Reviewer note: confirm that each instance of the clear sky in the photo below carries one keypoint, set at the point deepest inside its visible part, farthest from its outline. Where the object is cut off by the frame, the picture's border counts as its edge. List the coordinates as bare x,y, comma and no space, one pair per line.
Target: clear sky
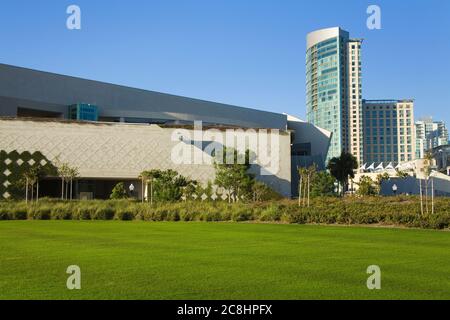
247,53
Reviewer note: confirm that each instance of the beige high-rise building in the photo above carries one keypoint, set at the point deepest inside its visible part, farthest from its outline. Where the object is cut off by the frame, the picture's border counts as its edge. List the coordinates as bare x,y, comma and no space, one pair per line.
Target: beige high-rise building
354,116
389,131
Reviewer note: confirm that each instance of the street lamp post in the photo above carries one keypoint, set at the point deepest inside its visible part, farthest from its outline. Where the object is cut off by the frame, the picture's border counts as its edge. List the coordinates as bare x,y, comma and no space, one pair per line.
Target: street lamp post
394,189
131,188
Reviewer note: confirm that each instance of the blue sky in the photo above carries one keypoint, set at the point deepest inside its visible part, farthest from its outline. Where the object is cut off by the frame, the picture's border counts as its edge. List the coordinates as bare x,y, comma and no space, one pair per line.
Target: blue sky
247,53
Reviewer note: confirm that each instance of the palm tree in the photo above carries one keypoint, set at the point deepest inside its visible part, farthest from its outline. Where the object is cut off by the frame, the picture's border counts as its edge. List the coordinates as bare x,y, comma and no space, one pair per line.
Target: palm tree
342,168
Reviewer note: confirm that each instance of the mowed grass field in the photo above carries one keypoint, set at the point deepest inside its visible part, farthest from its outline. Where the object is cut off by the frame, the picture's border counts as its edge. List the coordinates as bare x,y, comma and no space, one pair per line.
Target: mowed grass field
168,260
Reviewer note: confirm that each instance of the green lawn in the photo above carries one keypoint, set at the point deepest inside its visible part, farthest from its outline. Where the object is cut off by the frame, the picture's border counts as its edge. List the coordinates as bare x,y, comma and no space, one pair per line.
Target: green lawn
143,260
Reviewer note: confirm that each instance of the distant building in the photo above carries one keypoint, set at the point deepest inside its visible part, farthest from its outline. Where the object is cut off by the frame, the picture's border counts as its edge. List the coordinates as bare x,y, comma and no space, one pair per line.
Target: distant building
334,88
388,131
441,155
429,134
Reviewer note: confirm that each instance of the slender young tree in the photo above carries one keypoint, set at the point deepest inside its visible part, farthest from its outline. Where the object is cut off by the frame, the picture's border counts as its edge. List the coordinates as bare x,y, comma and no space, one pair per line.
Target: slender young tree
67,175
306,176
421,197
312,171
72,174
427,169
432,196
301,175
32,177
26,189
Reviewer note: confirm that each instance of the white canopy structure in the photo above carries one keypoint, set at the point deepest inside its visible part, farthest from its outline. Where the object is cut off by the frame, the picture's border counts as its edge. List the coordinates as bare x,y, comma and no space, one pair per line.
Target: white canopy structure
390,166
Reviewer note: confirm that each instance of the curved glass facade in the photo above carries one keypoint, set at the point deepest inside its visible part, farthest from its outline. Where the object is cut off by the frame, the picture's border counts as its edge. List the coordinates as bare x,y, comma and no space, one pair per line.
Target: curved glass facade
333,89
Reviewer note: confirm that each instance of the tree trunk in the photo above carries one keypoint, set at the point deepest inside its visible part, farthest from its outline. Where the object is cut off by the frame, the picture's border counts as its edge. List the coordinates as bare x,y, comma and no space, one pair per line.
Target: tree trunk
305,184
151,193
32,192
426,195
300,192
309,178
421,197
432,196
37,191
26,191
71,189
62,188
142,189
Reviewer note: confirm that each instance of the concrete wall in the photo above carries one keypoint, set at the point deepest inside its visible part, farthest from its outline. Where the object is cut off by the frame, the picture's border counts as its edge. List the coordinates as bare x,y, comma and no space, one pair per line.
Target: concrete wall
58,91
318,138
106,150
305,132
411,185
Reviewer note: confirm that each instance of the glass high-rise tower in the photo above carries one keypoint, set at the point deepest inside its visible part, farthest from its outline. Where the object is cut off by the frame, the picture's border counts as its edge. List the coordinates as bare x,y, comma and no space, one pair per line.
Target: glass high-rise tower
333,89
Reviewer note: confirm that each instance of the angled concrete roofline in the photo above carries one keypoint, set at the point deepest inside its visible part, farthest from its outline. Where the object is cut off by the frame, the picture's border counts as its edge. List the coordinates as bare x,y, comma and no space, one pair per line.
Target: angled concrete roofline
296,119
36,88
320,35
128,124
132,88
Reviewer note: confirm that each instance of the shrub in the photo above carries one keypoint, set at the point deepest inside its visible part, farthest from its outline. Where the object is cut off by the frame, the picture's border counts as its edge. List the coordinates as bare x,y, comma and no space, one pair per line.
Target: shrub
4,214
119,192
187,213
85,213
104,213
39,213
403,211
61,212
19,214
296,217
271,213
160,213
440,221
124,215
212,213
241,214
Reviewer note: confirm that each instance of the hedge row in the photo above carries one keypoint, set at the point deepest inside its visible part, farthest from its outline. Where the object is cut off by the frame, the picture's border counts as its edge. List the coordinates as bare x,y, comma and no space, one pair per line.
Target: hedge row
401,211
